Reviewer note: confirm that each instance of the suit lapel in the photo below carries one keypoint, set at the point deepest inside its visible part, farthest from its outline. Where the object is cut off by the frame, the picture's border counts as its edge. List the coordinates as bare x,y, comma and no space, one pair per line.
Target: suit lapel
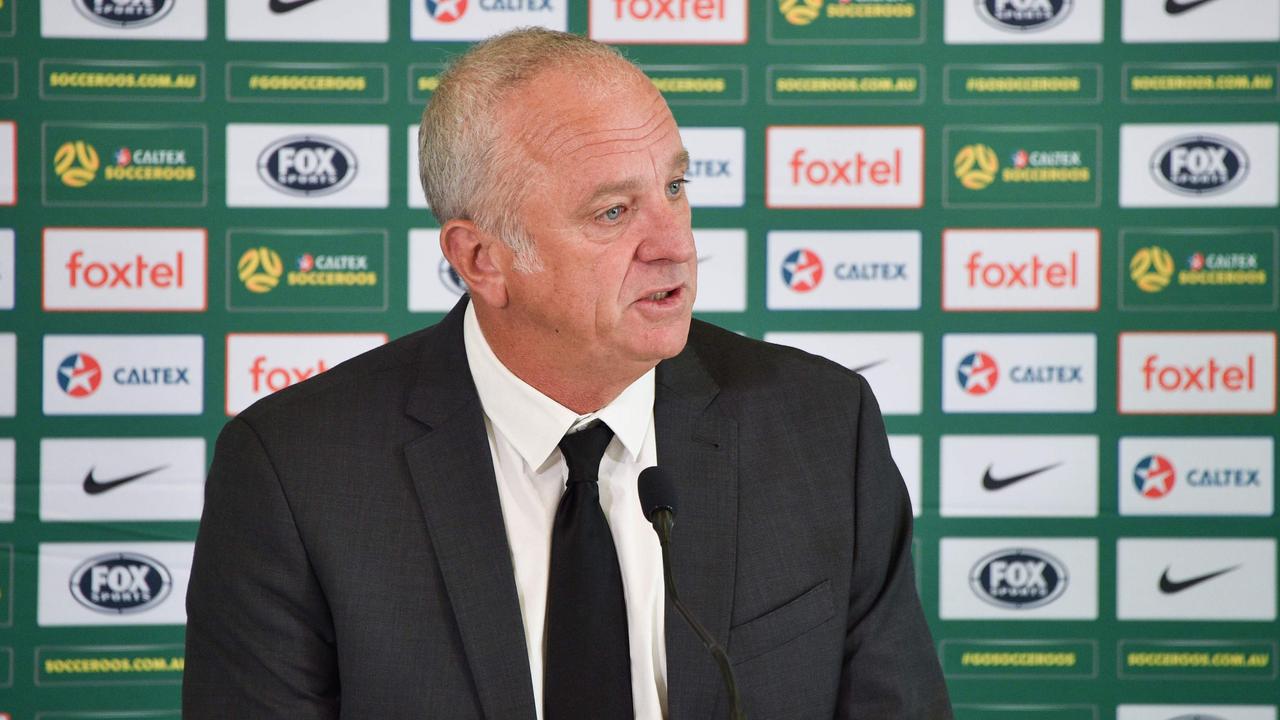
453,476
699,448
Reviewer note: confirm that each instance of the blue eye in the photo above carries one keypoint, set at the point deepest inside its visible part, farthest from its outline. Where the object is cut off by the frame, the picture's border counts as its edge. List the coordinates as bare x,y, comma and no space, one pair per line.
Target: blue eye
613,213
675,187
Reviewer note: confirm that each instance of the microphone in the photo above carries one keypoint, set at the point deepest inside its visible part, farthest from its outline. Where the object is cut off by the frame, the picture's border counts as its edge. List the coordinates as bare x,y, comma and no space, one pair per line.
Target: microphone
658,501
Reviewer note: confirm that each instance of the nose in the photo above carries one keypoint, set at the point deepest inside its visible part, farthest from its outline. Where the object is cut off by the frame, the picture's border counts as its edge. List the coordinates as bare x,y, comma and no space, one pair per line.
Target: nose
668,233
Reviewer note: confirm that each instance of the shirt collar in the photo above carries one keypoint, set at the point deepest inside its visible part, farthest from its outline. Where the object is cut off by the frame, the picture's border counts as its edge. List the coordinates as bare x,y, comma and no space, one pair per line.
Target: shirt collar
533,422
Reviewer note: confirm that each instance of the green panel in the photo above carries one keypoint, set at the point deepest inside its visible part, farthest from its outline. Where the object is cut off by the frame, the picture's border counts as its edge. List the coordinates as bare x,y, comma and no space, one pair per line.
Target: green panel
112,715
132,164
1201,82
307,82
6,585
307,270
1032,712
1207,269
834,22
1198,660
1021,166
1019,658
8,79
6,669
423,78
120,665
700,85
7,19
121,80
844,84
1042,84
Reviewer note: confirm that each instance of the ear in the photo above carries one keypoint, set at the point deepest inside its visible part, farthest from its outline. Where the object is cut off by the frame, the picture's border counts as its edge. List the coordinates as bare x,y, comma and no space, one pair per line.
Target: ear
480,259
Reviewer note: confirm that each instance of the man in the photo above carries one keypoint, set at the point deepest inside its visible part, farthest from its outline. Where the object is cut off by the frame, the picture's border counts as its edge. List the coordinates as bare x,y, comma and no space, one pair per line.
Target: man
386,540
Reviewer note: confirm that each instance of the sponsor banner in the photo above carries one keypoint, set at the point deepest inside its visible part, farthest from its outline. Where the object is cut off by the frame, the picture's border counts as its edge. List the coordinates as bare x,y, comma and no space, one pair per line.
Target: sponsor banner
844,84
417,197
446,20
8,269
125,269
836,22
123,375
1196,475
1195,21
261,364
1018,712
701,22
124,165
1196,712
722,270
1041,84
109,665
1197,659
1200,165
1219,579
306,82
8,482
844,166
121,479
717,165
8,76
1197,373
863,270
1018,579
1019,373
1041,22
8,374
906,453
121,80
1199,269
123,19
8,163
434,286
1020,269
423,79
139,583
890,362
6,591
1200,82
1019,475
318,166
323,270
1013,658
1008,166
308,21
700,84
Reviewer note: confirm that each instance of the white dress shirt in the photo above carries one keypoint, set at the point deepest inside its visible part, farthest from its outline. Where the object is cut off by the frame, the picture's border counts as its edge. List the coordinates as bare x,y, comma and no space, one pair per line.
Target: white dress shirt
524,429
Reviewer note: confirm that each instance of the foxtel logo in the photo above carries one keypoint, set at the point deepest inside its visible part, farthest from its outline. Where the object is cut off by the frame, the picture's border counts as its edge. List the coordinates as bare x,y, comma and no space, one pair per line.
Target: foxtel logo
129,269
844,167
1017,269
1197,373
695,22
261,364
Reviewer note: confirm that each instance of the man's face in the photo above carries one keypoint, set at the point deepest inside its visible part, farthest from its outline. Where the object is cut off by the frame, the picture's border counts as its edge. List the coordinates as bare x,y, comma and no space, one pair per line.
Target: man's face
606,207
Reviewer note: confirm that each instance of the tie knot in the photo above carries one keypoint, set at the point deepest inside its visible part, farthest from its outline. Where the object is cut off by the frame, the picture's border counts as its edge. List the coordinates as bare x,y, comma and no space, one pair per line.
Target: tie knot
583,451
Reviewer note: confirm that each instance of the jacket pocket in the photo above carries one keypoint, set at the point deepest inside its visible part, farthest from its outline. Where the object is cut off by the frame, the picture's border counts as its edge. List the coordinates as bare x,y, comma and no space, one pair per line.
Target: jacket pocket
781,625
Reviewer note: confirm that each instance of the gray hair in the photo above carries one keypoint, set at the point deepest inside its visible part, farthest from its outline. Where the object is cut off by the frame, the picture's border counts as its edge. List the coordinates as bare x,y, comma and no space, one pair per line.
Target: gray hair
466,168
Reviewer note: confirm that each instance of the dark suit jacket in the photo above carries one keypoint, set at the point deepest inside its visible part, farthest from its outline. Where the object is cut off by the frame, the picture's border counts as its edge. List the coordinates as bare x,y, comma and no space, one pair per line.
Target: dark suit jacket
352,559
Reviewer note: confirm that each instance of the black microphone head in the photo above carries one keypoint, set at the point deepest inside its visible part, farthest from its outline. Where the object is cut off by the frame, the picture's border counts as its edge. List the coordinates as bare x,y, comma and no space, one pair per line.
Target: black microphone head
657,491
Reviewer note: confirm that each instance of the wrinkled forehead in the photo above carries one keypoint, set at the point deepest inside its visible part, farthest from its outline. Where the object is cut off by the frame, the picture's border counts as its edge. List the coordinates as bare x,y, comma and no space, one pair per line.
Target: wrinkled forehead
563,116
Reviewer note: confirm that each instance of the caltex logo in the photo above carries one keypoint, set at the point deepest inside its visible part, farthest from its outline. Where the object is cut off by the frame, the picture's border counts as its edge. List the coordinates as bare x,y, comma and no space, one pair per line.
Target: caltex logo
79,375
977,373
1154,476
802,270
446,11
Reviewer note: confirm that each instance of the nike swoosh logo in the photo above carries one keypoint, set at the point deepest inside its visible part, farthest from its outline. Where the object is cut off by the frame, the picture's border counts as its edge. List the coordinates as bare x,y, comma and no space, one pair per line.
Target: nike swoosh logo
94,486
284,6
1177,7
1169,587
991,482
868,366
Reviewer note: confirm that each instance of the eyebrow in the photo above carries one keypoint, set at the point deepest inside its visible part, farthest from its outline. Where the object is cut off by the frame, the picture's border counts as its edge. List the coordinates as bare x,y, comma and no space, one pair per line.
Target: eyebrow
679,160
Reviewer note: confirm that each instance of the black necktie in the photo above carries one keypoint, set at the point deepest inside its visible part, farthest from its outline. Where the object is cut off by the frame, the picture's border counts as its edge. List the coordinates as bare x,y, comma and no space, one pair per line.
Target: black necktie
587,673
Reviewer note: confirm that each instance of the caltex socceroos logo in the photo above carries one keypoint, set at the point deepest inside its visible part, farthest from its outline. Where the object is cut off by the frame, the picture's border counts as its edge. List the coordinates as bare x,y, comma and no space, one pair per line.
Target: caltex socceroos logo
76,163
1151,268
976,166
260,269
